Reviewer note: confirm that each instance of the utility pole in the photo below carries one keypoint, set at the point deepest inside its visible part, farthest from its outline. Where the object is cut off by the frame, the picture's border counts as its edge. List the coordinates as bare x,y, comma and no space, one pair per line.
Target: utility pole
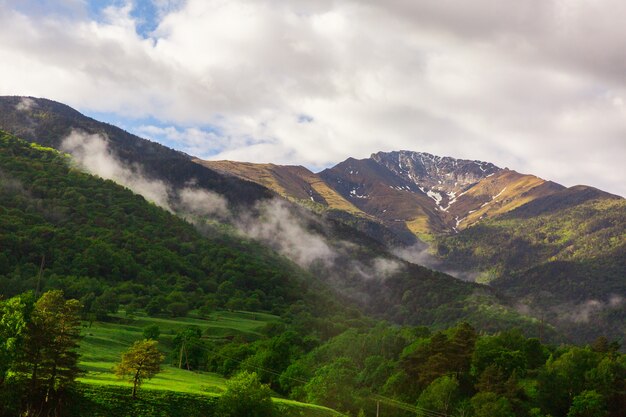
187,359
43,261
180,359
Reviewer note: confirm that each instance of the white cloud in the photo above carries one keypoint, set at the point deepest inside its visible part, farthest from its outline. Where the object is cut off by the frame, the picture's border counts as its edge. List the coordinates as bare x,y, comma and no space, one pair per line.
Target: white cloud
93,154
535,85
25,104
197,201
277,226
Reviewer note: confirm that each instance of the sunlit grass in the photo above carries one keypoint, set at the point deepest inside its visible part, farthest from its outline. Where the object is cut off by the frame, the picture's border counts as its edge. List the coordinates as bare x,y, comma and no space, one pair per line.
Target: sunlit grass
104,343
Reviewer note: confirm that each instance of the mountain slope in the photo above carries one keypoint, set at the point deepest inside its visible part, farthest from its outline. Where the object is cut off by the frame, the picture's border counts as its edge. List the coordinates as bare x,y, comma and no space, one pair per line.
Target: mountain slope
302,186
295,182
404,190
563,254
551,248
103,244
361,209
431,194
498,194
49,123
575,224
357,267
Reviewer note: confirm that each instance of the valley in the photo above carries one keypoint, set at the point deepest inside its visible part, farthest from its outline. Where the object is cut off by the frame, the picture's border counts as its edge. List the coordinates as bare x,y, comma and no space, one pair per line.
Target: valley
316,289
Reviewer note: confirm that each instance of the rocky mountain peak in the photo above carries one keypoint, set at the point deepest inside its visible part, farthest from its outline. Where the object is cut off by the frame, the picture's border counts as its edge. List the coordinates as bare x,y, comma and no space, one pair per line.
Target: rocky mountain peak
438,174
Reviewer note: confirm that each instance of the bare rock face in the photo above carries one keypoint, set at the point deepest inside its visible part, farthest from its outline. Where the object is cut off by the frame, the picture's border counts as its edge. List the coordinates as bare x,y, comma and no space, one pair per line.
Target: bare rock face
439,174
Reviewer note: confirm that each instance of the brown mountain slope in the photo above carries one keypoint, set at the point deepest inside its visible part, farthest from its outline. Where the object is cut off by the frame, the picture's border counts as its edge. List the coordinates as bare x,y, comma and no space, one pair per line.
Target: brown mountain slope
497,194
431,194
423,193
290,181
381,193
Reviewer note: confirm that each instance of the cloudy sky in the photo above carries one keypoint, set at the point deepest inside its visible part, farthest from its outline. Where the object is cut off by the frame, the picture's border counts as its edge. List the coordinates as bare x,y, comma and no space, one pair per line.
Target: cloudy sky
538,86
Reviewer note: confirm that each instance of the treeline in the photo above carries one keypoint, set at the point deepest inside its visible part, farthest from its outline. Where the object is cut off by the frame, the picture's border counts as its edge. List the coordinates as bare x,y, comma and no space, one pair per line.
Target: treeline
38,353
452,372
455,372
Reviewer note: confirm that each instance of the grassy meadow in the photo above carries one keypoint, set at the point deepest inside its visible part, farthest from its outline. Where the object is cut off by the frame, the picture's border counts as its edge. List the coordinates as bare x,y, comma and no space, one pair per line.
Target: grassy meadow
103,343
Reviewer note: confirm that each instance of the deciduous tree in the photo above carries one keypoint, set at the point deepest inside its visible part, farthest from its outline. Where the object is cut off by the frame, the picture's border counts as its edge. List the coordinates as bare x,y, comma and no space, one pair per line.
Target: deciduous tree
245,396
142,361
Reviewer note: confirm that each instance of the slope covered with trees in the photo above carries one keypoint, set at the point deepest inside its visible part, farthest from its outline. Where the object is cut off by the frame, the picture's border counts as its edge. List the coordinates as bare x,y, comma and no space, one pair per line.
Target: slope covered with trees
108,247
564,255
100,243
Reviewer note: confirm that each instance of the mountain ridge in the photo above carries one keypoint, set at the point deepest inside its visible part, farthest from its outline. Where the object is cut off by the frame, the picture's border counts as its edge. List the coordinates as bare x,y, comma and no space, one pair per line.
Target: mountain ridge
534,240
495,223
405,190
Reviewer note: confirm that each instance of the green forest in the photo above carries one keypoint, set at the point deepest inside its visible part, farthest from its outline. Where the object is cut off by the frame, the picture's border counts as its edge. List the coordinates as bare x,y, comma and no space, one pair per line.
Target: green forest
406,370
93,276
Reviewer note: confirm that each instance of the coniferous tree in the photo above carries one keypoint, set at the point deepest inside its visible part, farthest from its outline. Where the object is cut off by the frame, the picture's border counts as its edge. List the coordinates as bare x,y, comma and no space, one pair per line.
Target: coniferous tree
49,358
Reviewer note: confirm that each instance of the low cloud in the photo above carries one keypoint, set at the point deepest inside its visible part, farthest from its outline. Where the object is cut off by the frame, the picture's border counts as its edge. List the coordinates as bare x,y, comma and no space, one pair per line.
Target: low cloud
25,104
385,267
290,230
584,312
272,223
12,185
420,254
93,154
277,226
199,202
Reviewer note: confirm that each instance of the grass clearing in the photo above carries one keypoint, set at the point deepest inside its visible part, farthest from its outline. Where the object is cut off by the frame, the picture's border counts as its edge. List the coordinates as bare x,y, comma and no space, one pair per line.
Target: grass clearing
104,342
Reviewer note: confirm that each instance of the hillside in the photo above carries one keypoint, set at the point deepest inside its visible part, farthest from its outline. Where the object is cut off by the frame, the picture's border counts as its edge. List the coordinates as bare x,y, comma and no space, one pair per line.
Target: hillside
343,233
550,248
407,192
333,245
49,123
133,264
103,244
429,194
563,254
298,184
289,181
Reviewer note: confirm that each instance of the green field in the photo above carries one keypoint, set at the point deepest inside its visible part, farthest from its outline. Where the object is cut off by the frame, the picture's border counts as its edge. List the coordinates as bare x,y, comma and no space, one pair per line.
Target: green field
104,342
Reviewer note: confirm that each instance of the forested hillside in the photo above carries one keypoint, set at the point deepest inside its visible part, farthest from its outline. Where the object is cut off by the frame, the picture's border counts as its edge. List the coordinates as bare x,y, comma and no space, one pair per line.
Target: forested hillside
49,123
564,254
64,229
111,250
108,247
334,246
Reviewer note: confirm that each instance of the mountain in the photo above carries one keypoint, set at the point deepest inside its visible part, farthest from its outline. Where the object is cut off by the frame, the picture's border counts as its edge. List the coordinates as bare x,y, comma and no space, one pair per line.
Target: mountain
406,191
101,243
49,123
513,231
299,185
63,229
346,249
431,194
555,250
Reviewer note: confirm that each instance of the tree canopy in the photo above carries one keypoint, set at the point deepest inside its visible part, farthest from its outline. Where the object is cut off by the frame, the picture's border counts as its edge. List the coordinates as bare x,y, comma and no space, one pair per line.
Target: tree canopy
140,362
